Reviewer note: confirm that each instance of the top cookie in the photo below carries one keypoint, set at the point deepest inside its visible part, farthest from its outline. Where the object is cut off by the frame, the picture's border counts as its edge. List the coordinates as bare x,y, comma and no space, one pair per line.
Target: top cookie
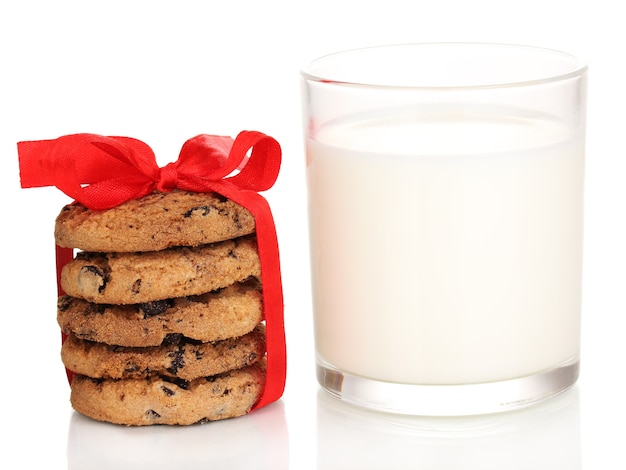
153,222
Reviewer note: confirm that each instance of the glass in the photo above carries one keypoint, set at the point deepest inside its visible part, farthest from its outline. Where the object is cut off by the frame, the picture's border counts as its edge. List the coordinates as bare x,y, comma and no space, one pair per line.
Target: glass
445,189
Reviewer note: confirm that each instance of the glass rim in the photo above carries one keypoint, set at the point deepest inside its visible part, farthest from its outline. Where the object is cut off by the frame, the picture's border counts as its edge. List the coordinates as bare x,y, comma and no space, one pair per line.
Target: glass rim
578,67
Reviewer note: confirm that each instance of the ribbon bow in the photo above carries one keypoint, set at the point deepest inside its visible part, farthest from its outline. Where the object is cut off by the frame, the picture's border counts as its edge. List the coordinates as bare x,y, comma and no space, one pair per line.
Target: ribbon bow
102,172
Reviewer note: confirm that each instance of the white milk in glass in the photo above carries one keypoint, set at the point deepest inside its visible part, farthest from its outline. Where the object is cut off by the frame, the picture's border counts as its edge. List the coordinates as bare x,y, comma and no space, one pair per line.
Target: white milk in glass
450,245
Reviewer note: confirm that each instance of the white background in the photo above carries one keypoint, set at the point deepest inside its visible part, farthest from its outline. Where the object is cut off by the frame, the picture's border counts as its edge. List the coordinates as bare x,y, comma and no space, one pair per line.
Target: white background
165,71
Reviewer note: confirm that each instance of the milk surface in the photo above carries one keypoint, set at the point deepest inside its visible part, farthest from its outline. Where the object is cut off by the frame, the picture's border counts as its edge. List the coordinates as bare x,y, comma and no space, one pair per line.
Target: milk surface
446,246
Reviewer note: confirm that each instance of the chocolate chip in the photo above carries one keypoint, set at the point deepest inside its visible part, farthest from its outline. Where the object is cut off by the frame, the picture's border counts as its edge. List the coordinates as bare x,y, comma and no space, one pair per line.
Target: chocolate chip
238,224
98,273
64,303
152,414
202,211
177,381
157,307
178,360
136,287
172,338
168,391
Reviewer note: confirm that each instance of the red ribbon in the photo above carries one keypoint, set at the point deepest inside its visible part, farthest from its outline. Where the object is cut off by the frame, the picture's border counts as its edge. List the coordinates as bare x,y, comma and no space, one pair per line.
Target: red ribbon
102,172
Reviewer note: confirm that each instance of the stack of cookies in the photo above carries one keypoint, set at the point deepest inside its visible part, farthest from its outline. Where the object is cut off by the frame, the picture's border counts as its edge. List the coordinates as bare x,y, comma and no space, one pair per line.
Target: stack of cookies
163,311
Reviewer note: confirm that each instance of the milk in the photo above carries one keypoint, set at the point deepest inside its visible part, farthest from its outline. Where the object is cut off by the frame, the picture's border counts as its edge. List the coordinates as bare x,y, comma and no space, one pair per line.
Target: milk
446,246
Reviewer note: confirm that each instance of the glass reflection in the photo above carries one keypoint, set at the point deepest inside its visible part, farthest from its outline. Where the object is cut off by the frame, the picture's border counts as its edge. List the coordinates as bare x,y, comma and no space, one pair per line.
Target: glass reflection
544,436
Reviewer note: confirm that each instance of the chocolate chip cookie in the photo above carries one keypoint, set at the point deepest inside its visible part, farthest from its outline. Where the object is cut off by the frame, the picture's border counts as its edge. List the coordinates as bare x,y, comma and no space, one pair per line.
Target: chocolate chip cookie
154,222
214,316
185,359
131,278
163,400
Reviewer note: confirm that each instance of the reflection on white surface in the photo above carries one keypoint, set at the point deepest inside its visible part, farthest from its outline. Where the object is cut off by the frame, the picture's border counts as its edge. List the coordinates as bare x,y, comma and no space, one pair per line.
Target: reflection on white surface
544,436
258,440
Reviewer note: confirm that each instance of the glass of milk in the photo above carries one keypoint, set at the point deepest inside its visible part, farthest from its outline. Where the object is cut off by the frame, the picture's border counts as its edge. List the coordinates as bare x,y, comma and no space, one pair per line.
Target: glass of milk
445,192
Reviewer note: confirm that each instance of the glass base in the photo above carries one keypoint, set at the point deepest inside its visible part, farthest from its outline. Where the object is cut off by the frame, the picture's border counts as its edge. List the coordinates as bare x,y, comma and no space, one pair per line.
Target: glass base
448,400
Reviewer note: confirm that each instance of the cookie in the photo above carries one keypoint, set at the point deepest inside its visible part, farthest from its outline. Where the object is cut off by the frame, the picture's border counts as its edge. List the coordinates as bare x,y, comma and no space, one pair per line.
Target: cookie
131,278
153,222
185,360
214,316
159,400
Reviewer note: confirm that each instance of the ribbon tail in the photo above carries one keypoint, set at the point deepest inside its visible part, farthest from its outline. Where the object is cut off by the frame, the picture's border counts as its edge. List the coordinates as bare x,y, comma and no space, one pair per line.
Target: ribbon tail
63,256
273,302
274,309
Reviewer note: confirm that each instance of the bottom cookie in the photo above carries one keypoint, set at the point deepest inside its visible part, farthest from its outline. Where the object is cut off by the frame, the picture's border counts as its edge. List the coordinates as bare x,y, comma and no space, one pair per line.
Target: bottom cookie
161,400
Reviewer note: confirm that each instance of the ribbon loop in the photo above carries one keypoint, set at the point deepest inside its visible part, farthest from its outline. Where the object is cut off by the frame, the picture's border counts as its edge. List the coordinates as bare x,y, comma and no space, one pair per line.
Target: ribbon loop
260,170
